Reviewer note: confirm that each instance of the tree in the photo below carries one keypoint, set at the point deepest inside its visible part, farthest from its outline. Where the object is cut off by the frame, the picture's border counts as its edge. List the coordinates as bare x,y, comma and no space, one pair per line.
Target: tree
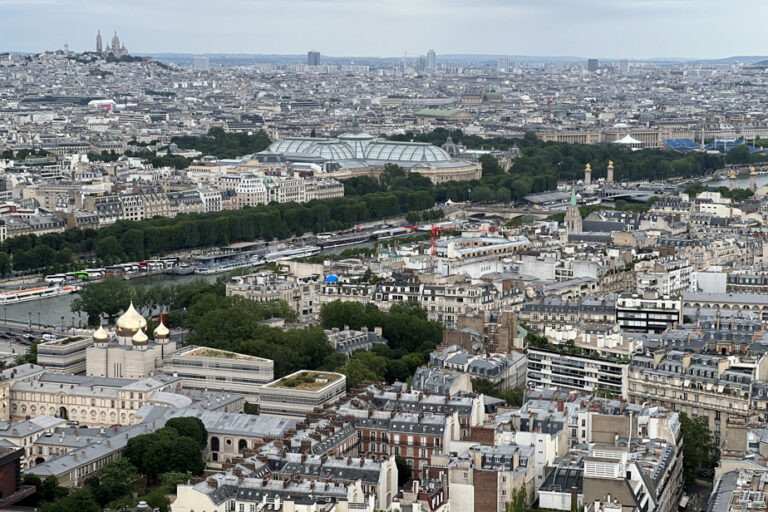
113,481
45,490
699,450
108,297
482,194
513,396
391,174
412,217
30,356
108,249
519,501
5,263
149,453
157,500
79,500
695,188
173,478
338,314
364,366
404,471
185,456
190,427
738,155
490,166
162,451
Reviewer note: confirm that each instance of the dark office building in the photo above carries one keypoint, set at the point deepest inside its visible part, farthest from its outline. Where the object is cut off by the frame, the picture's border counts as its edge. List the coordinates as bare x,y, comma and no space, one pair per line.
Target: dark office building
313,58
592,65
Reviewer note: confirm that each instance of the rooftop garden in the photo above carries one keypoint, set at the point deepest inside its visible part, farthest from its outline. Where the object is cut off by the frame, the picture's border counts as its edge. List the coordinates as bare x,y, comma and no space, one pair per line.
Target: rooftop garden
310,381
221,354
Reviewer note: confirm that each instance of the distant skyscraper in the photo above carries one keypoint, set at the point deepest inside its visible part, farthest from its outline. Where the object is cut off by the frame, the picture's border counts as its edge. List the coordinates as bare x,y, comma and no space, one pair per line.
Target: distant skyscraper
431,60
624,66
98,42
313,58
202,64
592,65
421,64
503,65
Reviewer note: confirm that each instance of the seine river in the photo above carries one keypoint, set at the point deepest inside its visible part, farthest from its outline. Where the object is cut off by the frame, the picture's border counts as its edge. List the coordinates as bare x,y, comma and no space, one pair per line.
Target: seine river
741,181
50,311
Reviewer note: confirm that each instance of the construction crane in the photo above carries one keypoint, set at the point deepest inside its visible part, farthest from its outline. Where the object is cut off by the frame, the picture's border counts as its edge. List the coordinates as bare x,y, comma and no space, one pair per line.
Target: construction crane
549,107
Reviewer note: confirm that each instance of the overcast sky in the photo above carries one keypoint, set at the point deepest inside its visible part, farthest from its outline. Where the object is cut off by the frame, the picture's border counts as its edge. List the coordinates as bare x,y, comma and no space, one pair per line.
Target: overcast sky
388,28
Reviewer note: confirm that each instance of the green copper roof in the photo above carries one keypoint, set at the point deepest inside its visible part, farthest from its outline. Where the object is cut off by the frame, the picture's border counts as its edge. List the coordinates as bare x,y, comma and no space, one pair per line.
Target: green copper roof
573,196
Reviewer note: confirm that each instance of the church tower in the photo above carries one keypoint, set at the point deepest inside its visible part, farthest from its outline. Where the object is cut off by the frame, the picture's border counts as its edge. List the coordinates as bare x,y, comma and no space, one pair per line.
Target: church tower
98,42
115,43
573,215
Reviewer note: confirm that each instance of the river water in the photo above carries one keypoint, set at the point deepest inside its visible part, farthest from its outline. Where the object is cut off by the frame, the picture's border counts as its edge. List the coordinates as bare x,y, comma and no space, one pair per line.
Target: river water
57,310
741,181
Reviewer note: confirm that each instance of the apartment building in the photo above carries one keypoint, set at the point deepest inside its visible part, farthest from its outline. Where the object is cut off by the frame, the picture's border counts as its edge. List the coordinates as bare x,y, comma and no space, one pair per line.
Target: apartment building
568,370
649,312
713,386
554,312
269,287
414,436
444,301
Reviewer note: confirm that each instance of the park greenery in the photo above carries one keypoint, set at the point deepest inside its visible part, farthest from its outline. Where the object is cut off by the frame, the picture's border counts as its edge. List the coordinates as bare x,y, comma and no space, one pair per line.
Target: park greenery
151,467
221,144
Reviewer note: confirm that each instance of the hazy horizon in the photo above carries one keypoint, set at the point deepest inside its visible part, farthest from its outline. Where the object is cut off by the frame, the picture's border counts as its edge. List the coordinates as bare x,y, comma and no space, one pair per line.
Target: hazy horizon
634,29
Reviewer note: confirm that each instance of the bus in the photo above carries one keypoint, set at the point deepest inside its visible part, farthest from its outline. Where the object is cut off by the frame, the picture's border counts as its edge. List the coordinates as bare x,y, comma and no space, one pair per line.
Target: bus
55,278
78,274
95,273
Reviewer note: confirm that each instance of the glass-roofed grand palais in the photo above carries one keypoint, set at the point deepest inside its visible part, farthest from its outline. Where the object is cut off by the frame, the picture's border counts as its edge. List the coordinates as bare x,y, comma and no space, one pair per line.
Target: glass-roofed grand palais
360,154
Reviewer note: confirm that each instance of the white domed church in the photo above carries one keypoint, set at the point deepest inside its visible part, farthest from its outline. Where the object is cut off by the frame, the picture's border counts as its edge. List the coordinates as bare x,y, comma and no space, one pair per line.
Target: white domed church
127,352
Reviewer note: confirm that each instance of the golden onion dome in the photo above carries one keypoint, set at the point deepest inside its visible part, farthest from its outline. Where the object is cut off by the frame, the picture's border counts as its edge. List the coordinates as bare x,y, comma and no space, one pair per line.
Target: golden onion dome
130,322
101,334
161,331
140,338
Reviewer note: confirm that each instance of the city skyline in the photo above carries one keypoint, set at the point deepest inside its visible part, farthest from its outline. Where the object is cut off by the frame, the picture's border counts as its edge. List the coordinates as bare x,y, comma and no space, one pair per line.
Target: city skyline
591,28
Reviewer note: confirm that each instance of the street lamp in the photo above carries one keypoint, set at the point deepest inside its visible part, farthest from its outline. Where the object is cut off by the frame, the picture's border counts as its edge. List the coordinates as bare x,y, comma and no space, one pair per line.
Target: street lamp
62,323
183,314
38,319
5,315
